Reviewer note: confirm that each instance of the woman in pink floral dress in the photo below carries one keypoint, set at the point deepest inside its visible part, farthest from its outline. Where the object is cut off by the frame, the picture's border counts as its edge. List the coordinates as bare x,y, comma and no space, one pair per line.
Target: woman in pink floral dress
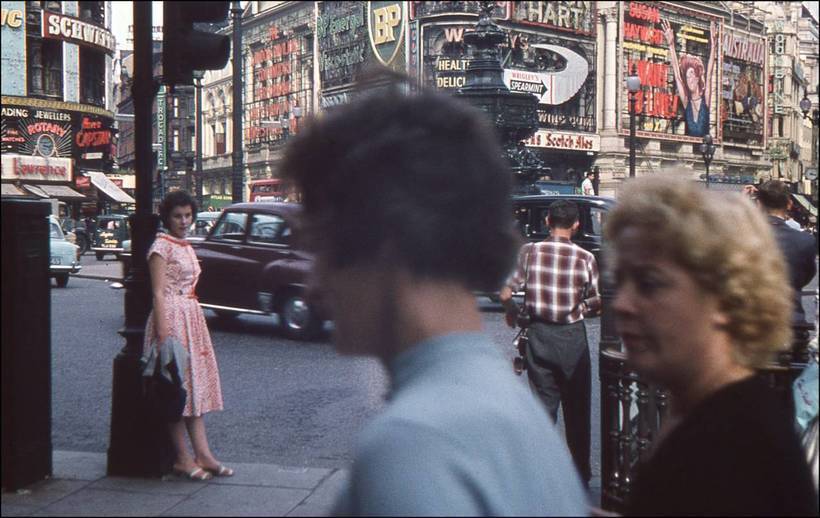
176,313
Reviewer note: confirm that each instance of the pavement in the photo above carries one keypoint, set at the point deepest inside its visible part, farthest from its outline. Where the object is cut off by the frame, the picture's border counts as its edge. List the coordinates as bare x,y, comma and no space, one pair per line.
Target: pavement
80,487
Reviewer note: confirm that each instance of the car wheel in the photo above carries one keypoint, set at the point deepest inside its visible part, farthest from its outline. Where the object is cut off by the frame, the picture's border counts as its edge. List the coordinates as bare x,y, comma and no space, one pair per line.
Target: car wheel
62,280
99,255
297,317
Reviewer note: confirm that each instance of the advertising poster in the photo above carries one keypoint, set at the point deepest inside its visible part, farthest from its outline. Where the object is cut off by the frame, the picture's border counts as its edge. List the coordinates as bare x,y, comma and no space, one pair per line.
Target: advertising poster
501,10
743,111
676,52
37,132
557,68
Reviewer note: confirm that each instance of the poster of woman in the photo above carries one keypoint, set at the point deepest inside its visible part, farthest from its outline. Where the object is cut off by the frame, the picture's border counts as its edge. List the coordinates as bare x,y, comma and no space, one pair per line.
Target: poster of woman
693,81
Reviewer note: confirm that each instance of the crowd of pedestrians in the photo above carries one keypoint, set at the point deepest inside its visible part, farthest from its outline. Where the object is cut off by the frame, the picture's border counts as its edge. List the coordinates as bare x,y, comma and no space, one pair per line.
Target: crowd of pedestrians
406,203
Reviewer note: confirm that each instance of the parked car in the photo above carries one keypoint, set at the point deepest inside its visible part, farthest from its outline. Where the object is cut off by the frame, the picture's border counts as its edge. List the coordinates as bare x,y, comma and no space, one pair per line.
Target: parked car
205,221
64,257
252,263
111,231
530,213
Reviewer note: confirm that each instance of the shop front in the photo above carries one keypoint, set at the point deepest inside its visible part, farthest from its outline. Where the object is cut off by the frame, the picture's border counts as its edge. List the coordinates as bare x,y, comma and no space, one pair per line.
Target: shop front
47,146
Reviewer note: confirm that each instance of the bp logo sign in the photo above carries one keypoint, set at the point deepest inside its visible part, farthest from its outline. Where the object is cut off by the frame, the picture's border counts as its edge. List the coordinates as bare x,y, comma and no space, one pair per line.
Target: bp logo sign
386,29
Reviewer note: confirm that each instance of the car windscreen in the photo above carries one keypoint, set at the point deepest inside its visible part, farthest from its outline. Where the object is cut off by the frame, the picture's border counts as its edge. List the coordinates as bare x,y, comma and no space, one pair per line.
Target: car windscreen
55,232
231,227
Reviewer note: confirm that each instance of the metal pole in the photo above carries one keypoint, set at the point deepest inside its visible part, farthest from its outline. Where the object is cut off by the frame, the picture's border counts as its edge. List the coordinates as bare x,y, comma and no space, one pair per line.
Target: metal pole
707,172
198,179
237,181
632,135
139,445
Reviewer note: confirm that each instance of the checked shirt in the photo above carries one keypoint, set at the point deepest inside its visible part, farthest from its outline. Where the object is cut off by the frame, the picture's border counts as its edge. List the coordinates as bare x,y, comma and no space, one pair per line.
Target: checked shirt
562,281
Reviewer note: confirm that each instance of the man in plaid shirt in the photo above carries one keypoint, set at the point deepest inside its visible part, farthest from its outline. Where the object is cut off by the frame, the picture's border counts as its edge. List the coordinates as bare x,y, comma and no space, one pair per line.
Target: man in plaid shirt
561,287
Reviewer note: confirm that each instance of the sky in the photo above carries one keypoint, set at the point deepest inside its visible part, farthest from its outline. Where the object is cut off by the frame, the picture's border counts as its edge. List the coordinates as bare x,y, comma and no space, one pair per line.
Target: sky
122,15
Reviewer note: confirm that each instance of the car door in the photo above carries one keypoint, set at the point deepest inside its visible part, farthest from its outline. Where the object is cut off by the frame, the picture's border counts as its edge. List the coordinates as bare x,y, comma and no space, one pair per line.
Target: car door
267,243
222,256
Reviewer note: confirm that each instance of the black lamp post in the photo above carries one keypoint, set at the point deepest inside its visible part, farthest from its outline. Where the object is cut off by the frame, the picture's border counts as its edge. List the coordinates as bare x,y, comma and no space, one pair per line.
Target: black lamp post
633,85
237,175
707,149
805,107
198,75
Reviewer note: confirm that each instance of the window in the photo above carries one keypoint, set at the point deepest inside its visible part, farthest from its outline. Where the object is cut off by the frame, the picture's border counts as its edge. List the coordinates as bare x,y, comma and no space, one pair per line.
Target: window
219,140
231,227
92,77
175,139
45,73
93,12
598,217
266,228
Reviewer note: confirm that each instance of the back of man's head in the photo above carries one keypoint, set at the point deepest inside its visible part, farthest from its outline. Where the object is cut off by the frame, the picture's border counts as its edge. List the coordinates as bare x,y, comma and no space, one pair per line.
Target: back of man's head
563,214
419,177
773,195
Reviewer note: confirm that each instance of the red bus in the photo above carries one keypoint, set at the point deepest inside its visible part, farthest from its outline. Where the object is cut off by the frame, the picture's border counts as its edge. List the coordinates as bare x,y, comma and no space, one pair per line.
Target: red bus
272,189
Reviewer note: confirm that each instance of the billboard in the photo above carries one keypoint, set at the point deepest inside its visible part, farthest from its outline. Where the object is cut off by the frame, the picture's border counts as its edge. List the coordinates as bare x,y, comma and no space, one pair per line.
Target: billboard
676,52
557,68
743,112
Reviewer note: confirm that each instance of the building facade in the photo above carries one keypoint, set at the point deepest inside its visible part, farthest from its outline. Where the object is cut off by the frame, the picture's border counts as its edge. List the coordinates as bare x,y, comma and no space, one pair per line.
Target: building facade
754,62
57,118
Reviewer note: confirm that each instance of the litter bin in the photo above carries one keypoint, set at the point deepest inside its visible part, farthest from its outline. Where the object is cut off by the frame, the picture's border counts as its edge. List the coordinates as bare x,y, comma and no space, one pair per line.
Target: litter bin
26,345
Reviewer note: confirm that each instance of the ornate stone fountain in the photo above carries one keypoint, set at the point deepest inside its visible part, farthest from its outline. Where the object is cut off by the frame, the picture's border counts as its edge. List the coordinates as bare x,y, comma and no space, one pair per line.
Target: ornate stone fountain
513,113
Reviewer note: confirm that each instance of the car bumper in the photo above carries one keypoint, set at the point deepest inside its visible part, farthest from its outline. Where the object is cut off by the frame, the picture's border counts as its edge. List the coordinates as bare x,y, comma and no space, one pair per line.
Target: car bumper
109,250
56,269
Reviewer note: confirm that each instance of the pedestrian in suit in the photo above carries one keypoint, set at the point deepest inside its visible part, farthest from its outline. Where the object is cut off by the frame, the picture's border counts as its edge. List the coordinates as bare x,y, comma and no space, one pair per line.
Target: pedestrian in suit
799,248
561,280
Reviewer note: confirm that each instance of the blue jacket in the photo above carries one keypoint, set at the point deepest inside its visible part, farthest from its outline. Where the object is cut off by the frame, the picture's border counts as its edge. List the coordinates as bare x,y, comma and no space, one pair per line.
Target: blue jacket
799,249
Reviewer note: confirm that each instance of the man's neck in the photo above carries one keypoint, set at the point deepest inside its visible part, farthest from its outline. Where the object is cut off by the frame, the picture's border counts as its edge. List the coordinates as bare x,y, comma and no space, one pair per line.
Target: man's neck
431,308
778,213
564,233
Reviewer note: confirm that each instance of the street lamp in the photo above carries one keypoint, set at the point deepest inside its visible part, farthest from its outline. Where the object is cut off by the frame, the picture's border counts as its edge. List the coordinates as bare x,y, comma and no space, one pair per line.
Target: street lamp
707,149
198,76
633,85
805,107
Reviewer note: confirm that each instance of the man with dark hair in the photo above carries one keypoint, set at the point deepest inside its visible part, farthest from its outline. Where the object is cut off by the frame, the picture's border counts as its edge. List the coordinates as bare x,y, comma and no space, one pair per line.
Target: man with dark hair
406,205
560,280
799,248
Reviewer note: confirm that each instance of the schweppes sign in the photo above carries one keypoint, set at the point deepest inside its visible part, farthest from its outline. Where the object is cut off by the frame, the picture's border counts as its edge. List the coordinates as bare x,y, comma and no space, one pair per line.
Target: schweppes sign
386,21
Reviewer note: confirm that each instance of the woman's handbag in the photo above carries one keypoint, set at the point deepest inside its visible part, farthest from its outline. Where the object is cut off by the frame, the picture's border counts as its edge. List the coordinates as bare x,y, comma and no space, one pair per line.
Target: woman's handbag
165,398
164,394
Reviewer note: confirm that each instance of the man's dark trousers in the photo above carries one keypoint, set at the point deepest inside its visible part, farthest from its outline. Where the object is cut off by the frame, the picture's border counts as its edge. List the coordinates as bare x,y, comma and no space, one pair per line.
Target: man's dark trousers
558,366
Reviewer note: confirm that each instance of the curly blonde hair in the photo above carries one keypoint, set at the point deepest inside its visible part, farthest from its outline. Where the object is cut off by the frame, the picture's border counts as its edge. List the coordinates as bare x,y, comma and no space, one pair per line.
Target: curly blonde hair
728,247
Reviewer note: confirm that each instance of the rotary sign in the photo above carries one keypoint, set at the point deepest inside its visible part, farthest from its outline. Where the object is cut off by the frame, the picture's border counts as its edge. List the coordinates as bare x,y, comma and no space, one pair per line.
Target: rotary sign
385,27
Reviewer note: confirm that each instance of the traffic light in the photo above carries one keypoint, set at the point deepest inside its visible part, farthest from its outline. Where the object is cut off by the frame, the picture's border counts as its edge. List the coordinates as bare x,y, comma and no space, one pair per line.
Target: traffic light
184,48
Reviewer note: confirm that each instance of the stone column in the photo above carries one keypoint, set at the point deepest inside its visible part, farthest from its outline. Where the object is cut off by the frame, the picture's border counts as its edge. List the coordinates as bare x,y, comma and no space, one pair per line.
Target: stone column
610,67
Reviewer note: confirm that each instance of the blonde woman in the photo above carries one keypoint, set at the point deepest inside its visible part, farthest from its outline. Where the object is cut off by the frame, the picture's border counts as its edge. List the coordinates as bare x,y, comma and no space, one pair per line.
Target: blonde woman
702,301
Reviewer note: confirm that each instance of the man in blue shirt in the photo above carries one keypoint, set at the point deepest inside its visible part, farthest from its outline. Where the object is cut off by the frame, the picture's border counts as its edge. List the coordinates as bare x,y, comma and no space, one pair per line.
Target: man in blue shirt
406,205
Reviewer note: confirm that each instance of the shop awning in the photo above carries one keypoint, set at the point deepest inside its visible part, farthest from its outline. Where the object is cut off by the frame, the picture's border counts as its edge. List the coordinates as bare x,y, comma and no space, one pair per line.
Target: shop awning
805,203
109,188
11,190
35,190
62,192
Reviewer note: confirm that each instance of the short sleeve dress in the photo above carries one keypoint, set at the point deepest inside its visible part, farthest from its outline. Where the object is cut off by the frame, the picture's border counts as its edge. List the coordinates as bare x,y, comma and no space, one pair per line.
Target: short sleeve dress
186,323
